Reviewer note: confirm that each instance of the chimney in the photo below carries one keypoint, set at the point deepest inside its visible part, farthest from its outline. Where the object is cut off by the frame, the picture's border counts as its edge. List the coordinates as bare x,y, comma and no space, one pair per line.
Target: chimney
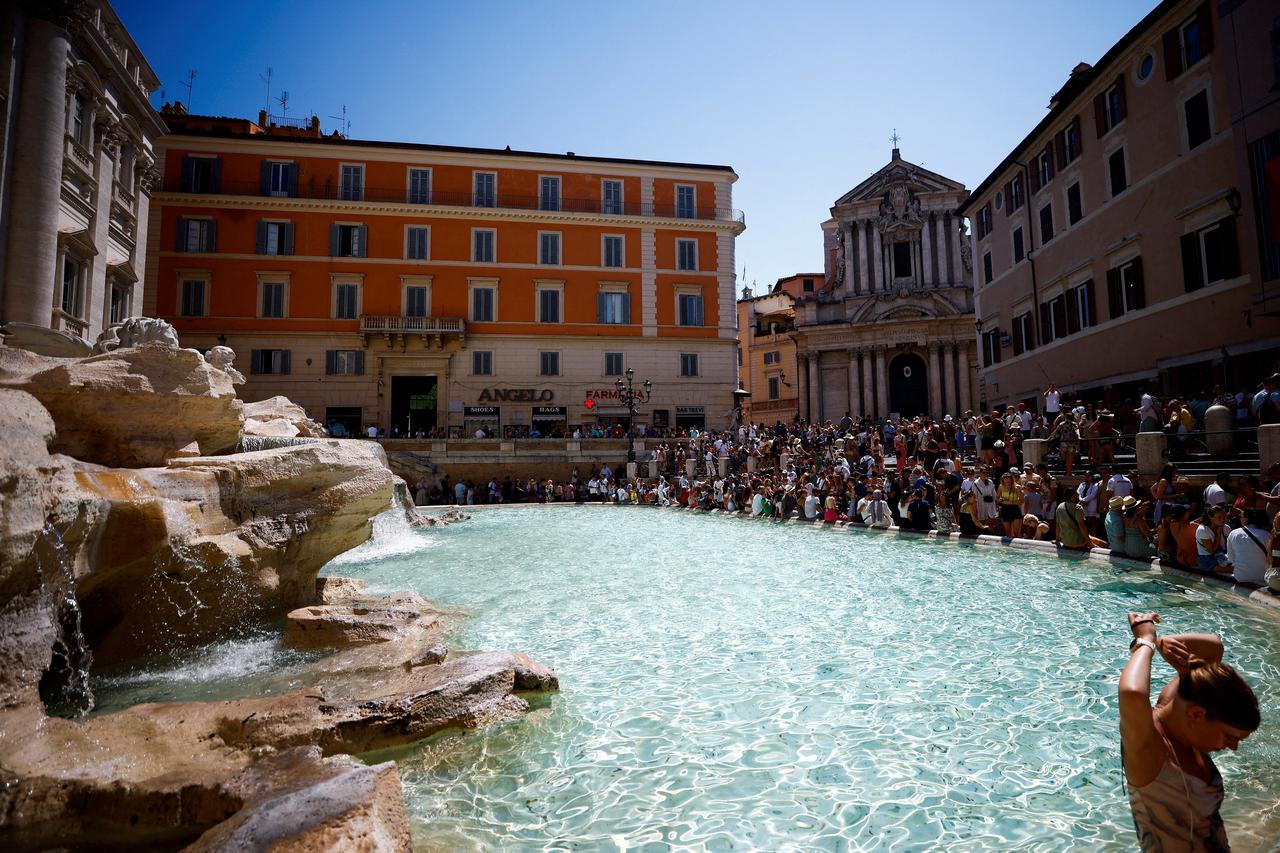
262,118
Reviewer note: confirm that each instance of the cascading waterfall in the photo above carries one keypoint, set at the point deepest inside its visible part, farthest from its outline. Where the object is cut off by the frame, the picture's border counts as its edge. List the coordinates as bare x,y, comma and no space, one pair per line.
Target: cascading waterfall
253,443
64,687
393,535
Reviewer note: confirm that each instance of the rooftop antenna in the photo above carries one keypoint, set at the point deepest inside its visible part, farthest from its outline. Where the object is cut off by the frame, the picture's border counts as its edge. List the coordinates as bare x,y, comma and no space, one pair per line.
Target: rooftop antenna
190,84
284,103
266,78
346,122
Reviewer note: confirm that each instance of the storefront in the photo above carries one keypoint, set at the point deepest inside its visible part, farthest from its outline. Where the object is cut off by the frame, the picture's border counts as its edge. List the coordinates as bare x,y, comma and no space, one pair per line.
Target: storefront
344,421
691,417
550,421
487,418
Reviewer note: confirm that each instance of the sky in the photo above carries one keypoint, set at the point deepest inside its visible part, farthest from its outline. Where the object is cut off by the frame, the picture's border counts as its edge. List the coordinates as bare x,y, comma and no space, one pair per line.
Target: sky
800,98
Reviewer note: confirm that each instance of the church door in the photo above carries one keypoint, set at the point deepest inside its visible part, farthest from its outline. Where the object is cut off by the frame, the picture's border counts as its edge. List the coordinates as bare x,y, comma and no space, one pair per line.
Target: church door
908,385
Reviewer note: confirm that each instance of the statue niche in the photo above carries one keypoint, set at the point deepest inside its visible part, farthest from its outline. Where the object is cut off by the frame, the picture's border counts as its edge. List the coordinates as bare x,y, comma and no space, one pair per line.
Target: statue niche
899,210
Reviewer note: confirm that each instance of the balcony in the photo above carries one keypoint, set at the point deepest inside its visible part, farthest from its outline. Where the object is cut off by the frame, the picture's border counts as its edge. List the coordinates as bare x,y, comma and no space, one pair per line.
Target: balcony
330,190
434,331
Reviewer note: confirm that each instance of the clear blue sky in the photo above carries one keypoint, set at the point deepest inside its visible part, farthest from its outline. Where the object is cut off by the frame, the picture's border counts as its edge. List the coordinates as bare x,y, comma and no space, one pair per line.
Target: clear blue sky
800,98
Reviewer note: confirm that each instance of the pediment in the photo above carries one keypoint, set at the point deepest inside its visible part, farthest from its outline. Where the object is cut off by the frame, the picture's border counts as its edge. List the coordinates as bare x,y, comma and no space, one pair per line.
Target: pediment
897,307
898,171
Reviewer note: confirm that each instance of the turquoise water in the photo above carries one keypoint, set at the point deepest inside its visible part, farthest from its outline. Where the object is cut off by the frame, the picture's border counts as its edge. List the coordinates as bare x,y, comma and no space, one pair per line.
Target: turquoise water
739,685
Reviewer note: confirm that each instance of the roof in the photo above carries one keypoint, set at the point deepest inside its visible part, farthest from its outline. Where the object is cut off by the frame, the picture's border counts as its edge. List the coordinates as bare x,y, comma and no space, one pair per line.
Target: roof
1066,98
898,169
268,136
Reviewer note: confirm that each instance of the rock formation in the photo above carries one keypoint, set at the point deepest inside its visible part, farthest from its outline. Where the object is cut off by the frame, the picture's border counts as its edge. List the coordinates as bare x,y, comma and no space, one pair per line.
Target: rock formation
129,525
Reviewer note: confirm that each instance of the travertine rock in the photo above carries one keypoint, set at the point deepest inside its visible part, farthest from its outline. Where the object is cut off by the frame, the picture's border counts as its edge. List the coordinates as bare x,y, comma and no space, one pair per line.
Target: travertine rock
358,621
280,416
332,590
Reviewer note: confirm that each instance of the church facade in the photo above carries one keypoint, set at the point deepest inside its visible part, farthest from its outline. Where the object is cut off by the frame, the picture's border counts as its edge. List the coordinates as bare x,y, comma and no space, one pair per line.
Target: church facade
892,329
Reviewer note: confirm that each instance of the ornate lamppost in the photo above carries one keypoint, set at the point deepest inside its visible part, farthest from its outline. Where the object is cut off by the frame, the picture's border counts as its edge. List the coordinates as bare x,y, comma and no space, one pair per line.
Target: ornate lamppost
629,397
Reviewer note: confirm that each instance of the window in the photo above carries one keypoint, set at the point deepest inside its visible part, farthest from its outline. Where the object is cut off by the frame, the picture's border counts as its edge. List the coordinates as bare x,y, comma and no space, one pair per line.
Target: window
902,260
483,241
1075,208
808,285
612,250
772,357
1044,167
1196,112
611,196
344,362
415,301
1053,319
1125,290
193,297
352,183
120,297
73,271
775,387
482,363
196,235
986,268
984,220
690,313
548,305
200,174
419,186
1071,142
1022,340
1190,43
548,248
548,193
1081,313
613,364
991,347
613,306
1146,66
348,241
688,364
482,304
1116,172
1046,224
417,241
347,301
485,189
279,179
1017,194
275,238
1115,105
548,364
80,119
686,254
272,299
686,197
1019,251
1209,255
269,361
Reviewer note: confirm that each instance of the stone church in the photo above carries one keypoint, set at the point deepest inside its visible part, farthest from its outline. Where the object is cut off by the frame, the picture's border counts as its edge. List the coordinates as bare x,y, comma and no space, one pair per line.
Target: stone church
892,329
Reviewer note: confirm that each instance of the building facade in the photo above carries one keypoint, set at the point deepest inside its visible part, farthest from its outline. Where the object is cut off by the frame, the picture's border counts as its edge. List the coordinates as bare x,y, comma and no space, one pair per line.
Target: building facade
767,348
422,287
76,167
891,331
1109,241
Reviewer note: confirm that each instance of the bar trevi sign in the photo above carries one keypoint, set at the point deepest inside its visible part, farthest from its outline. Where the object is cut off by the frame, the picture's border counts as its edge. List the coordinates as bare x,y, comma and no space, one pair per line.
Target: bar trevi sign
517,395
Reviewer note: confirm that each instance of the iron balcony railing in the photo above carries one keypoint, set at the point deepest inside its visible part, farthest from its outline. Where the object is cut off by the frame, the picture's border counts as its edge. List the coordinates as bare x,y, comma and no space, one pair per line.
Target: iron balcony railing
332,190
412,325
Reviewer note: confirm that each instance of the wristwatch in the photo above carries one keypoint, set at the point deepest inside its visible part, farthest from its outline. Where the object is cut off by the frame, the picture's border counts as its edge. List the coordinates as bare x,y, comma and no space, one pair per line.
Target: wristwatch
1143,641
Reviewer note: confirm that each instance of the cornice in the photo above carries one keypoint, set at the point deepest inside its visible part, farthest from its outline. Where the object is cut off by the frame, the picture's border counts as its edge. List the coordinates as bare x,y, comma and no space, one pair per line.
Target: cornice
438,211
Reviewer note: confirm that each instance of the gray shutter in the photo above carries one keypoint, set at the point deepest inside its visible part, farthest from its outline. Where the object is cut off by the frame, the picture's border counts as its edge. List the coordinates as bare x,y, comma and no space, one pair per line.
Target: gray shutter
213,236
698,312
330,361
287,239
180,239
600,306
215,176
333,241
286,357
364,241
626,308
188,174
264,178
359,362
255,361
293,180
262,238
1191,262
1139,286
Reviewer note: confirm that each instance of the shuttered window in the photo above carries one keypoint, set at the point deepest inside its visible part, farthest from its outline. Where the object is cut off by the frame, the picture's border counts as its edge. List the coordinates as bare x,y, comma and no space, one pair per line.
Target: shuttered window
688,364
548,193
690,309
201,174
1046,224
275,238
611,196
269,361
344,362
1075,208
485,189
548,305
549,364
346,301
193,297
279,180
482,244
613,364
348,241
1019,250
1189,42
419,186
1196,113
417,240
482,304
1210,255
549,249
686,206
351,187
1117,175
1110,108
613,307
273,299
612,250
482,363
1125,290
686,254
197,235
415,301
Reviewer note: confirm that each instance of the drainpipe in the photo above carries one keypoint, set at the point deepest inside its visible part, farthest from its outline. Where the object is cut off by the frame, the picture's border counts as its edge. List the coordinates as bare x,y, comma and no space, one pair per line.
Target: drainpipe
1035,287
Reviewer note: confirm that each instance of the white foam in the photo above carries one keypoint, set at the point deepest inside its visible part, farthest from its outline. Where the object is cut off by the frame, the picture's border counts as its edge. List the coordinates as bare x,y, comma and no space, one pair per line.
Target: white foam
392,537
221,661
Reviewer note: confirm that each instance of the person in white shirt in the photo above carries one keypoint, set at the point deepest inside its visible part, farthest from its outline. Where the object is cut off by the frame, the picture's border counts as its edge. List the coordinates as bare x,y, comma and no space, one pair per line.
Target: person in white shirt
811,504
1215,494
1052,401
662,493
1149,415
1088,494
984,488
372,432
1247,548
875,512
1120,486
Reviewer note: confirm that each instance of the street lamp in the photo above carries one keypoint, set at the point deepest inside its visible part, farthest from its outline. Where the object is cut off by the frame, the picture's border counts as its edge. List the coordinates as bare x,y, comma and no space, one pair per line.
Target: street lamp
629,397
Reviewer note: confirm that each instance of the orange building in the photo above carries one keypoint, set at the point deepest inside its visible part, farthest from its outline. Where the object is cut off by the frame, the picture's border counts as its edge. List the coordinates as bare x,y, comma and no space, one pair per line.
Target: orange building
766,328
433,287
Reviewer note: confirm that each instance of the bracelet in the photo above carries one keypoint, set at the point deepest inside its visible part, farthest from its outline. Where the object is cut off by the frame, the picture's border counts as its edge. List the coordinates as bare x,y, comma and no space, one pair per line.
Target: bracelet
1143,641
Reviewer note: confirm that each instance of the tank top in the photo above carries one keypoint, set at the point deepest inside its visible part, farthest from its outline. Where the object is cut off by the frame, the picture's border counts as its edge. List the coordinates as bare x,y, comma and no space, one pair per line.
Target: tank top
1176,807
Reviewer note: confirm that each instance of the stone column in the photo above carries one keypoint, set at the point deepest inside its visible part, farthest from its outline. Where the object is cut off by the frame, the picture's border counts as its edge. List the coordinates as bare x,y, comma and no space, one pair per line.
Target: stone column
939,240
868,386
722,466
953,249
1034,451
950,385
862,256
851,277
882,384
802,385
855,404
1150,455
878,281
31,274
926,247
815,398
653,469
935,383
970,378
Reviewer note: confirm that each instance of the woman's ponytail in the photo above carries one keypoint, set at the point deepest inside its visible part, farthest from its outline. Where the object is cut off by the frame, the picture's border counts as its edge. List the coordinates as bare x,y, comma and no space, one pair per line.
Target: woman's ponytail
1224,695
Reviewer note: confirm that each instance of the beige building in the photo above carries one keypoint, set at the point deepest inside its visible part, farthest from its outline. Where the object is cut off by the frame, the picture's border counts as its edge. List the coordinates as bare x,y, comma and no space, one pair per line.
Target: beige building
767,348
891,329
1108,243
76,170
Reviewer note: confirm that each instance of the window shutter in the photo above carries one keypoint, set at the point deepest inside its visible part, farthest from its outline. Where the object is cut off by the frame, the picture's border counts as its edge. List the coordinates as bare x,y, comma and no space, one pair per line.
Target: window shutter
255,361
286,238
215,175
1008,198
1191,262
1048,154
1139,286
262,238
1075,129
333,241
699,312
188,174
626,308
286,356
1060,143
1093,302
213,236
1230,254
1123,105
1073,312
1172,54
330,361
293,180
1100,114
1018,345
1035,177
1204,20
364,242
264,177
360,362
601,299
1046,330
180,239
1115,302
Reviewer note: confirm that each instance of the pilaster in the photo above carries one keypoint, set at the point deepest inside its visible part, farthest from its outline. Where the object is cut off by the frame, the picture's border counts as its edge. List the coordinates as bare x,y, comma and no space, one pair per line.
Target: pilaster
802,385
882,384
815,398
862,257
935,383
926,238
878,282
648,283
949,382
725,286
855,403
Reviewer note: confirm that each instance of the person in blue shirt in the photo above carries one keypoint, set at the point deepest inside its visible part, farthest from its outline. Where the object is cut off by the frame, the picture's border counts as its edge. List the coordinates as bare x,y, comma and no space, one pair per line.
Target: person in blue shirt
918,512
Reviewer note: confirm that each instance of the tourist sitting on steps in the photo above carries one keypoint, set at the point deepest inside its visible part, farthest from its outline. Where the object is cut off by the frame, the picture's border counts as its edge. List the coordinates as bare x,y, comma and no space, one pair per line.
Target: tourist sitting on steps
1175,791
1072,532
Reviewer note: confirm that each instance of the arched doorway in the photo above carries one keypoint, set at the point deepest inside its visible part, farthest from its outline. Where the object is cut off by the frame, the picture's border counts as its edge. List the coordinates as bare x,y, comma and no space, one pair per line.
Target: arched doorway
908,385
